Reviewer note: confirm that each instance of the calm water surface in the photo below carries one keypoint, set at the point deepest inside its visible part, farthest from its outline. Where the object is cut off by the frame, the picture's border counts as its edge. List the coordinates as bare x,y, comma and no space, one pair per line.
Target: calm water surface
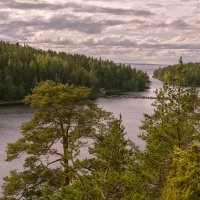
132,111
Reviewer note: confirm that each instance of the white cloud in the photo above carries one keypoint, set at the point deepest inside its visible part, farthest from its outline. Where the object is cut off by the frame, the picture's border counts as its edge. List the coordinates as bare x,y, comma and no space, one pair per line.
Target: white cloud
124,30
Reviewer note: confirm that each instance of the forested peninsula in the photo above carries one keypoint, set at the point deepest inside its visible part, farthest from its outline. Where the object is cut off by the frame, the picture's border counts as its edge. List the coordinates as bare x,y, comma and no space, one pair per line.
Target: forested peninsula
23,67
191,73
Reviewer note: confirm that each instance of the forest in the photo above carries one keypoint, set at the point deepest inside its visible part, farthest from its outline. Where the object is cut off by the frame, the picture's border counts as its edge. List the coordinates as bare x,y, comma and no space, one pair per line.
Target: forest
23,67
114,168
191,74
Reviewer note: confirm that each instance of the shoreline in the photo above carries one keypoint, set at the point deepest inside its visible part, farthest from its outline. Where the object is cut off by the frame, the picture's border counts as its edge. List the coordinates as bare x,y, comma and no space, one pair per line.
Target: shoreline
106,94
11,103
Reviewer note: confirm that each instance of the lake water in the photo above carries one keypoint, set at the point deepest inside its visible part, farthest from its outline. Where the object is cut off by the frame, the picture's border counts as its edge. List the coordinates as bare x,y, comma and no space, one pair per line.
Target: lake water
132,111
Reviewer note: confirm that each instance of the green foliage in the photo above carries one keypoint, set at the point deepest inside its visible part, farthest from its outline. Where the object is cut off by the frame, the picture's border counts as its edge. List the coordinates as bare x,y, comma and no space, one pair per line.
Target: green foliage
22,67
52,139
174,124
66,123
183,180
112,171
190,73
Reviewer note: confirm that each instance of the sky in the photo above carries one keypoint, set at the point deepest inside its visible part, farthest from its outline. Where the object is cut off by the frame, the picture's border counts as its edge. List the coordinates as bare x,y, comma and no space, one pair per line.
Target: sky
128,31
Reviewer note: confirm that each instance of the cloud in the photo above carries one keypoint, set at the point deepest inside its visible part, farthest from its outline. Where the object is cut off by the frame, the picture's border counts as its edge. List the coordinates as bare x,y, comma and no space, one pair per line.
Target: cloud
155,5
79,8
4,15
173,25
30,5
109,41
115,29
61,22
114,11
180,24
122,44
56,41
129,43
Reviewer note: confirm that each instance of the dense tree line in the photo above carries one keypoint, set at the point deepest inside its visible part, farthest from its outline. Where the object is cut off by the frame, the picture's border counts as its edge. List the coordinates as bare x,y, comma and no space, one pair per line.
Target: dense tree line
114,168
22,67
191,74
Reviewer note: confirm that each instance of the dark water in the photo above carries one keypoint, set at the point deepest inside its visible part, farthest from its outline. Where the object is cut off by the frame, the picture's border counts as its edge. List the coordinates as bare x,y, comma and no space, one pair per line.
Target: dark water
131,110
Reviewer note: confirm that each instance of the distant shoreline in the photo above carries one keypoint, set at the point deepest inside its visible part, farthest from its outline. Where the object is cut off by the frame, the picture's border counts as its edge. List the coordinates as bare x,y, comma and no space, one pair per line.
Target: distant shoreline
106,93
159,64
11,103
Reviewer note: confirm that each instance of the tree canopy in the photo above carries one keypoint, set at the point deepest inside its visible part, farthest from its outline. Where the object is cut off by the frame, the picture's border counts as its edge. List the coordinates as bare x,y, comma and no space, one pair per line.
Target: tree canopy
112,172
191,73
64,125
174,124
52,139
183,181
22,67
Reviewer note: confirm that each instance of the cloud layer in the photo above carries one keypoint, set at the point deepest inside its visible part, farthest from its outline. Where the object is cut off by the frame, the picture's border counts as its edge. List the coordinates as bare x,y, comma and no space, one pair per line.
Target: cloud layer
154,31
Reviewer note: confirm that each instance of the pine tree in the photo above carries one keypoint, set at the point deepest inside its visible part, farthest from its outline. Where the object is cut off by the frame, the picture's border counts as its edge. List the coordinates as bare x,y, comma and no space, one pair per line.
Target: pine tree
60,127
174,124
112,171
183,180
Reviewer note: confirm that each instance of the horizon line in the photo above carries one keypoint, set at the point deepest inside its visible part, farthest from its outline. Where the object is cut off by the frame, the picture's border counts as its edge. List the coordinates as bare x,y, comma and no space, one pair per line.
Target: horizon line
146,63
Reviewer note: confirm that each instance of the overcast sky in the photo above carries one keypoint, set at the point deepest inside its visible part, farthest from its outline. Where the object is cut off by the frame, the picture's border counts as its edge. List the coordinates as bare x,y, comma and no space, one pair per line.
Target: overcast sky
139,31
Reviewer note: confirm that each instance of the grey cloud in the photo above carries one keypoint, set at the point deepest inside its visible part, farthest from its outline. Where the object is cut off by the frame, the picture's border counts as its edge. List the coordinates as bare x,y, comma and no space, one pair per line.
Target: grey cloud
191,0
128,43
29,5
64,41
131,22
11,30
177,24
109,41
155,5
115,11
86,25
60,22
56,41
171,46
76,7
4,15
116,42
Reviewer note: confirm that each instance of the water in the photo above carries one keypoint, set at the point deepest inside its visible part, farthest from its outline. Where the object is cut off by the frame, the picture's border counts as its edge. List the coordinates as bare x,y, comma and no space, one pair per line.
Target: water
131,110
10,120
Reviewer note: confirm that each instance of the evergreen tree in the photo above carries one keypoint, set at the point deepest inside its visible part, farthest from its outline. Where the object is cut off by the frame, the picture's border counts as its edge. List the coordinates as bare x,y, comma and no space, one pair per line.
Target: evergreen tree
22,66
191,75
112,171
52,139
174,124
183,180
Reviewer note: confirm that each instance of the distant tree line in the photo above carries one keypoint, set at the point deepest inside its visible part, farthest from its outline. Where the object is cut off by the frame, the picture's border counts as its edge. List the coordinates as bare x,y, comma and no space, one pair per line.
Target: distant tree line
22,67
191,74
